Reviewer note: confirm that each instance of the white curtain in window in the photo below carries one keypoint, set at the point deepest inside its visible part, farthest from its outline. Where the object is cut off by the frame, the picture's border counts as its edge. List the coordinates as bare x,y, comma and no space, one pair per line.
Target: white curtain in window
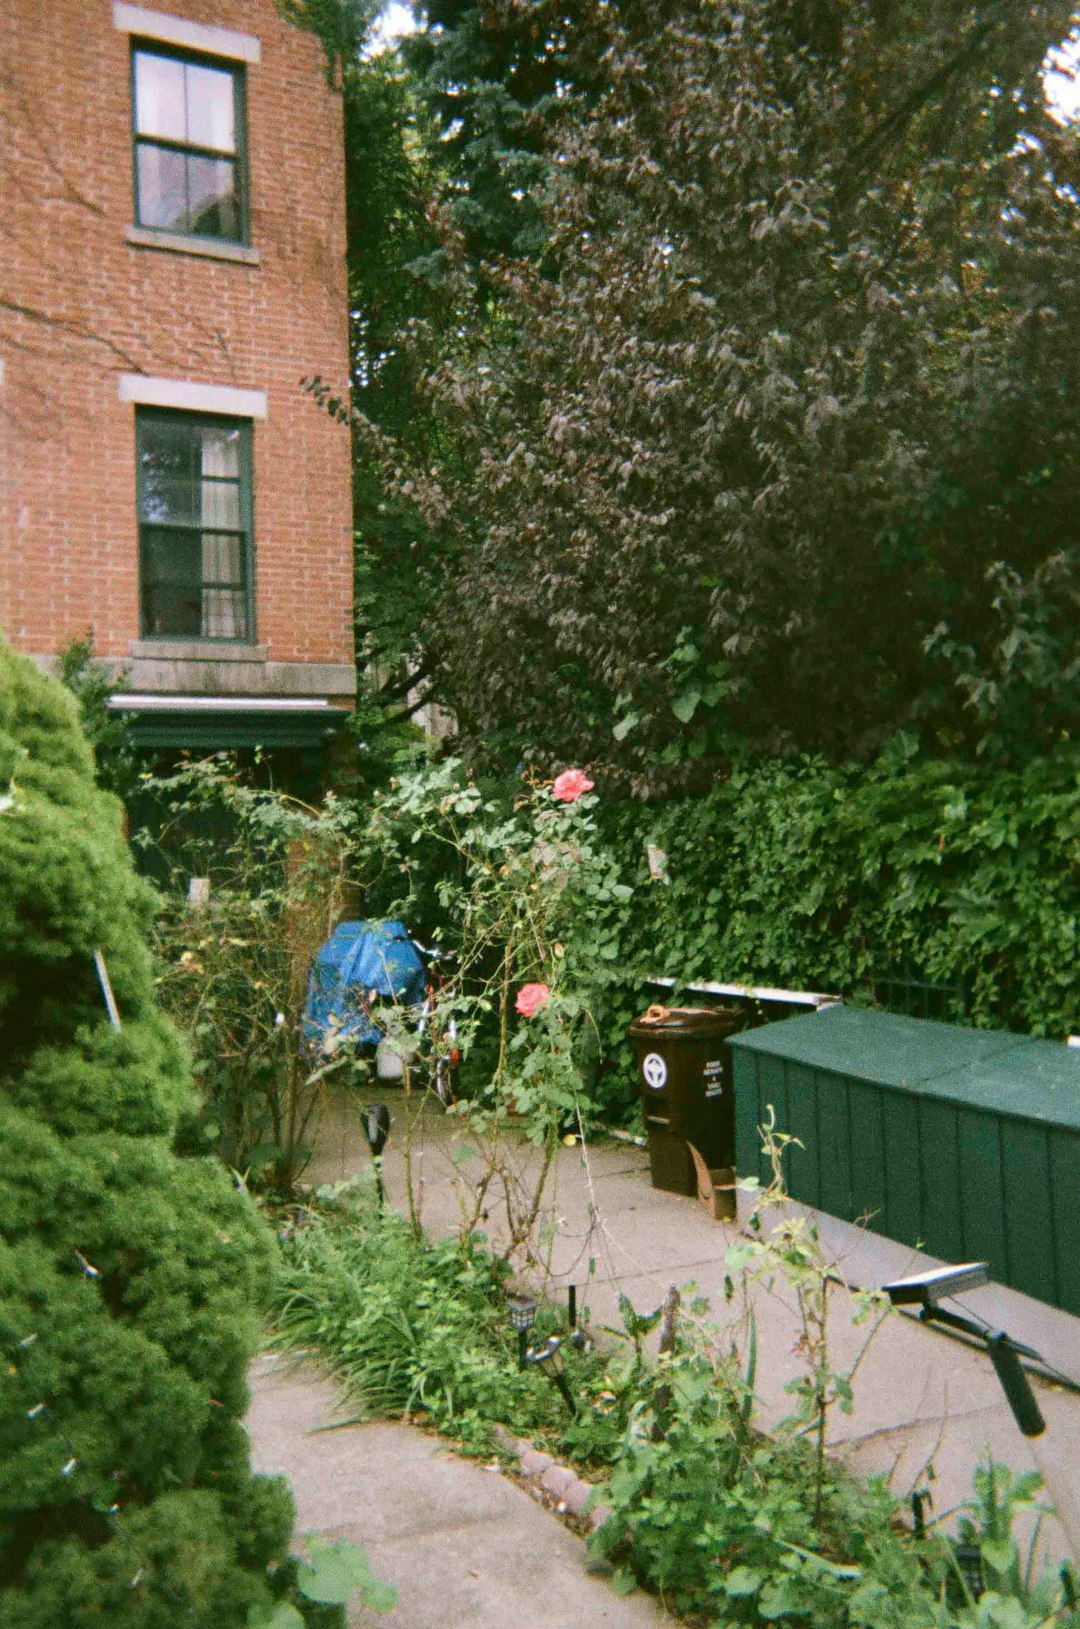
223,609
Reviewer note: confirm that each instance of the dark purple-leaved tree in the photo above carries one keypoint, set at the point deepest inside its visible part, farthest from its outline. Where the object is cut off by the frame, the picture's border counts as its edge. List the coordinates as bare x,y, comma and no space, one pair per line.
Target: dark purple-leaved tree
796,367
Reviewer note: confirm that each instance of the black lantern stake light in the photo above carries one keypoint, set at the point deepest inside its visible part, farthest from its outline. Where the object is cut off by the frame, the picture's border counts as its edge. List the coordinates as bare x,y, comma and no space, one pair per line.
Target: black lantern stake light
549,1358
522,1310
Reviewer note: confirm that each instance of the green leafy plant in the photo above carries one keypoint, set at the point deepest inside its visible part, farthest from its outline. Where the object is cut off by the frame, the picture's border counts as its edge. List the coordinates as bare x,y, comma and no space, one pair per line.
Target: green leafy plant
789,872
732,1524
335,1574
233,961
411,1327
1016,1590
841,878
92,683
513,880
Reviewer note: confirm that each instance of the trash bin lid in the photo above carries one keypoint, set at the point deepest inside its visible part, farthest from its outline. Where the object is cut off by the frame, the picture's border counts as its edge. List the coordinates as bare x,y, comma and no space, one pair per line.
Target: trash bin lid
685,1020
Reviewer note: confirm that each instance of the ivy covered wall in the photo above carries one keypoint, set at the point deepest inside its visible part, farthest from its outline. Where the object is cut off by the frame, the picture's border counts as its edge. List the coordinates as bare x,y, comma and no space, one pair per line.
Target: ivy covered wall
846,878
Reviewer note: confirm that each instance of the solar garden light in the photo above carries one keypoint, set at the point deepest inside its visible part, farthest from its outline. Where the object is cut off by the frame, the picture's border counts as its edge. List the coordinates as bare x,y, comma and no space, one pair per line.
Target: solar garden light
549,1358
522,1310
376,1122
578,1338
967,1557
925,1291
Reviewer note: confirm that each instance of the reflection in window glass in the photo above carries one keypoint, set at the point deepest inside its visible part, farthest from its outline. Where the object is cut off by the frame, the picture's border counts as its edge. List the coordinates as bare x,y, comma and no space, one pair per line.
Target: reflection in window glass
194,504
162,181
211,198
159,97
211,108
187,160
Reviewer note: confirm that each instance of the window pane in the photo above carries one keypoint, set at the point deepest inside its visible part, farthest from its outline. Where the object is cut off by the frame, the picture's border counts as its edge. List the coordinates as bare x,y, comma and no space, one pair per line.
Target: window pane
224,609
168,488
211,108
214,207
167,445
223,559
169,502
162,188
172,583
220,450
221,505
159,96
193,479
224,614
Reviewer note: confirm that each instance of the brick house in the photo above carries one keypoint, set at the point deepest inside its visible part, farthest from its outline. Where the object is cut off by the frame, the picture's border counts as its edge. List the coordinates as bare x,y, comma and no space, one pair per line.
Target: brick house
172,264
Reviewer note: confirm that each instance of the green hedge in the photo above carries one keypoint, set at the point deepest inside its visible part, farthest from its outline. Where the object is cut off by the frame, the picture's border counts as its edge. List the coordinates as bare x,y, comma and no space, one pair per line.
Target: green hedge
820,877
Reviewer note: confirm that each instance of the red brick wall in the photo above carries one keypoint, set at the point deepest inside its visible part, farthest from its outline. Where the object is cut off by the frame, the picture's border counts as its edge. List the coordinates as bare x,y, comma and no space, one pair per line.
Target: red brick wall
79,306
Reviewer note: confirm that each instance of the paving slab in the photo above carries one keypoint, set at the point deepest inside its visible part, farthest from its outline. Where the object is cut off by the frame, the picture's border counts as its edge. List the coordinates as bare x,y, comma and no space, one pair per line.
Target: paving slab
462,1544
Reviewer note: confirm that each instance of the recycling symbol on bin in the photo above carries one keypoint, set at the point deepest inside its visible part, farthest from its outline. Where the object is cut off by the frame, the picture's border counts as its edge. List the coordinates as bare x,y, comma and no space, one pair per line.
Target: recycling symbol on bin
655,1071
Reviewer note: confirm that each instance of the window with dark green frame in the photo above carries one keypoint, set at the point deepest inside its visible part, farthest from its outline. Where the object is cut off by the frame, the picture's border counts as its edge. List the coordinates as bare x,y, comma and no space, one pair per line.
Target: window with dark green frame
195,540
188,120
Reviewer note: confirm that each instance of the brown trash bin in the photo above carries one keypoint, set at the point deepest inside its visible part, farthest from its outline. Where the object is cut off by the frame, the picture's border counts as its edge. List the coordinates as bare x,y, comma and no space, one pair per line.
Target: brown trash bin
687,1097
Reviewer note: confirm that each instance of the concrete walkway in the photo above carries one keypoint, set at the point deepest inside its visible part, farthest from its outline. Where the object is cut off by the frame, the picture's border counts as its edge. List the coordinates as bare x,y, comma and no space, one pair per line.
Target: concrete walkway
466,1547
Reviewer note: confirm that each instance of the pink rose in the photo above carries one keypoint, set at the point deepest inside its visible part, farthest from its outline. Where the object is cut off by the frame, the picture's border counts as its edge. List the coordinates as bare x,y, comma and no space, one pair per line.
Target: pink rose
530,998
570,785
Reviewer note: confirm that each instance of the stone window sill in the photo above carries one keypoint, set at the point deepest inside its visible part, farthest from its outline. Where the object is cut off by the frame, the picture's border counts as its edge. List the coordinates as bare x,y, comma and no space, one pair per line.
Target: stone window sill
194,650
142,237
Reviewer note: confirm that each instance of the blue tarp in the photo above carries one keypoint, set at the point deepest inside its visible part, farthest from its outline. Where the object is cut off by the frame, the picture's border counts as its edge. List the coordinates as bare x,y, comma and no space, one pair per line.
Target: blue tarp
361,961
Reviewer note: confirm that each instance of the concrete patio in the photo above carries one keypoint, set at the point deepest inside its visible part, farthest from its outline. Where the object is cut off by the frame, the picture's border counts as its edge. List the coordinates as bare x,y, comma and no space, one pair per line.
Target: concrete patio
469,1548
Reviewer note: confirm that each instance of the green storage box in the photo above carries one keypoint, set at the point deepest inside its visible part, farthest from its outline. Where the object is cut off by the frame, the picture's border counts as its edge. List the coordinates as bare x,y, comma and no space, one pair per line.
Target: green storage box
963,1142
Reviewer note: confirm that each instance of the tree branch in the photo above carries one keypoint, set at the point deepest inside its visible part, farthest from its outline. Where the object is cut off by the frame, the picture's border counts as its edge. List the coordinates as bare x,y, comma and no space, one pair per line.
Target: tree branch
391,692
77,330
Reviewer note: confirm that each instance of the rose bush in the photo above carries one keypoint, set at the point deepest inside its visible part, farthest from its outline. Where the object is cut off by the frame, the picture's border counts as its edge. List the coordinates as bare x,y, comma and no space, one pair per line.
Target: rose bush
530,998
571,785
513,878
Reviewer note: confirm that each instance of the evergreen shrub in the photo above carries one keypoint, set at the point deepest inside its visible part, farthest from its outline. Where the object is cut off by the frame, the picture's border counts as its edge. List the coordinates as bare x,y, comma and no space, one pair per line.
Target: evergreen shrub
129,1277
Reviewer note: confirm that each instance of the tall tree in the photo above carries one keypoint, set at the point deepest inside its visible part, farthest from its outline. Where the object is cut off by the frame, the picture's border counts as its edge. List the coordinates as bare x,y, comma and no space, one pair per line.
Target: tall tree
721,462
494,78
397,284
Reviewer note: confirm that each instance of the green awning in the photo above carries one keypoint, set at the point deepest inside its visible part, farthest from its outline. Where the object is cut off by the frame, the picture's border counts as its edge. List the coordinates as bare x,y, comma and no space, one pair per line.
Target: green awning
201,724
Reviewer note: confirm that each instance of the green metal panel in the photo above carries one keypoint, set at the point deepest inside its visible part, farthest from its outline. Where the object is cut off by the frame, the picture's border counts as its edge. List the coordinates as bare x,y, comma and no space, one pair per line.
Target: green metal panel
1065,1198
903,1211
1026,1203
799,1093
880,1047
833,1147
965,1142
1015,1075
981,1187
939,1154
869,1185
747,1117
1028,1080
